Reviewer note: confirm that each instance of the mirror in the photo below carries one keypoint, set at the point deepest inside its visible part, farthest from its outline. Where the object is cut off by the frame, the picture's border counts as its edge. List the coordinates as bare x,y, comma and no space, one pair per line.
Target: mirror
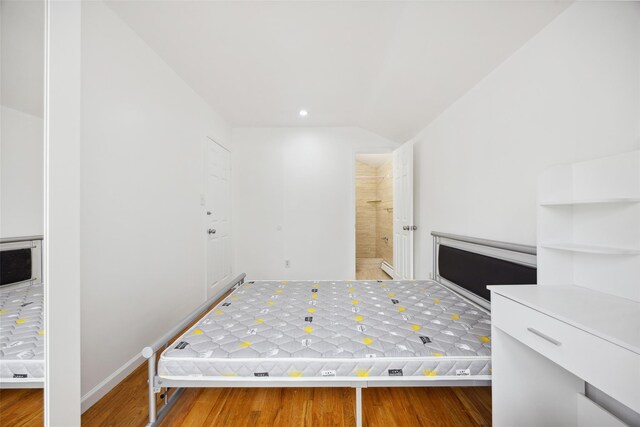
22,291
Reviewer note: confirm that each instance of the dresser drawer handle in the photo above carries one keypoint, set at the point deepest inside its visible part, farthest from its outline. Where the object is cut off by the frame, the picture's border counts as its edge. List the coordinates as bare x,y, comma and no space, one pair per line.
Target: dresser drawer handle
544,337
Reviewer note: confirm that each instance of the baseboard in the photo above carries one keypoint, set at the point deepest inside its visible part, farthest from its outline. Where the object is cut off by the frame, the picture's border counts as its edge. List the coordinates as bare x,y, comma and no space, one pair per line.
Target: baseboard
387,269
105,386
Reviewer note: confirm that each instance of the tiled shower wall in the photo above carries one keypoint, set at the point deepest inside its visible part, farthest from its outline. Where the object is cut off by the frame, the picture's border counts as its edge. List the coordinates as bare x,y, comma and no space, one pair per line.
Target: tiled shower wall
384,212
374,220
365,211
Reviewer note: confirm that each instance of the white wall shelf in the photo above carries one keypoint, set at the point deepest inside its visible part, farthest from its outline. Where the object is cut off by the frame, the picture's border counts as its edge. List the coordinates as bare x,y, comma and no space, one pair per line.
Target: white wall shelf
589,225
617,200
590,249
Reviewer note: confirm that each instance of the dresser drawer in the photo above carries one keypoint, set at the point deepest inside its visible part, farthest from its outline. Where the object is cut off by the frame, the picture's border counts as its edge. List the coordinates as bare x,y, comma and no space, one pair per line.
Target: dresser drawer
591,414
609,367
542,333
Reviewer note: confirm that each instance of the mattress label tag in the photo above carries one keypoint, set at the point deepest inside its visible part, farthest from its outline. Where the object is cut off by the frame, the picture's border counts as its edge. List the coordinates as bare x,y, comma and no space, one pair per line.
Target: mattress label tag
425,340
329,373
361,328
463,372
181,345
261,374
395,372
19,375
369,356
252,331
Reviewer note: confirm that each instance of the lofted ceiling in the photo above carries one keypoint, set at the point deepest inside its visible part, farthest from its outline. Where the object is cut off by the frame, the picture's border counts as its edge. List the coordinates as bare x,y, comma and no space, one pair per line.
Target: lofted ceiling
388,67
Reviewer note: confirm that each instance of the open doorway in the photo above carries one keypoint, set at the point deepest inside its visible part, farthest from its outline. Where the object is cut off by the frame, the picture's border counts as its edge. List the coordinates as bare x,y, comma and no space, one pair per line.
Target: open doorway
374,216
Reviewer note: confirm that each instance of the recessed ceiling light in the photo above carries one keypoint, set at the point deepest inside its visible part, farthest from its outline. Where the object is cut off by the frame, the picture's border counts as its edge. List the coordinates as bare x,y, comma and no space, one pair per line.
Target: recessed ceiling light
303,113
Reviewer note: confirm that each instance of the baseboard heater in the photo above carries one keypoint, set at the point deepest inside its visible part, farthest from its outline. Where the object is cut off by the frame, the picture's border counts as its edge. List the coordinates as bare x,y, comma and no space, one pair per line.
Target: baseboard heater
387,268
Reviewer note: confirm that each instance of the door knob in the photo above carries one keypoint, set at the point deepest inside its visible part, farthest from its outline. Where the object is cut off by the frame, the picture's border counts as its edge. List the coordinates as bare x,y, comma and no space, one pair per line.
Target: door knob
212,231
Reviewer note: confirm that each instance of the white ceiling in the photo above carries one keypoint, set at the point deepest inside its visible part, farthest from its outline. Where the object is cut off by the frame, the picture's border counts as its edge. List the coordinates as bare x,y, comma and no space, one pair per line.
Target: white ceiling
389,67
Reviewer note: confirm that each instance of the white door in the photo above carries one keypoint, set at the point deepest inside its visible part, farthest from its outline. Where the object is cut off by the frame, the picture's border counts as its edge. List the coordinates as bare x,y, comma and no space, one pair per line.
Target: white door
403,227
218,212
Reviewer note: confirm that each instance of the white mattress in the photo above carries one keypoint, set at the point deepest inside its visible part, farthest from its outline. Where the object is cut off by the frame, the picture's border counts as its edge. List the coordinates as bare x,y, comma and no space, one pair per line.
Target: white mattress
22,333
335,329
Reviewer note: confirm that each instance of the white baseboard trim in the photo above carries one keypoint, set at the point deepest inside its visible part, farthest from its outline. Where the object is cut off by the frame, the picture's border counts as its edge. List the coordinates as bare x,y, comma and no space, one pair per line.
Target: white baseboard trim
105,386
388,269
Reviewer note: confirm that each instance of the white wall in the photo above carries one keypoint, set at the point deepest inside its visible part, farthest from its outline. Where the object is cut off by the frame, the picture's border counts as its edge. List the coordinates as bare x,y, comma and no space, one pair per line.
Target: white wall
21,174
293,191
21,124
143,136
22,30
570,93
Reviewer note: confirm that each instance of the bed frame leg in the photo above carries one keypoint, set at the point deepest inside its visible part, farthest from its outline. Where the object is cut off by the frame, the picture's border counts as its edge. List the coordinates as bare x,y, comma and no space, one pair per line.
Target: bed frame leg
358,406
151,369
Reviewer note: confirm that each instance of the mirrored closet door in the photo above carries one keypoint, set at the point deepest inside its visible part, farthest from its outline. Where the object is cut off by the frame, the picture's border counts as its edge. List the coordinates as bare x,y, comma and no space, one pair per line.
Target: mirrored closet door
22,290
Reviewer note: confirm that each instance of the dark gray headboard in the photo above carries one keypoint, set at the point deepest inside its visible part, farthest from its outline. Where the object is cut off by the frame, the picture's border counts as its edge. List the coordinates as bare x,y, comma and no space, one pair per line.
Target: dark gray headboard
469,264
20,260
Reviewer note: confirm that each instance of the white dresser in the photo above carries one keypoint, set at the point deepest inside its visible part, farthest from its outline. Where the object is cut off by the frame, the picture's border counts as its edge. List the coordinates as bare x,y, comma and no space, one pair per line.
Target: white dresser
549,342
566,352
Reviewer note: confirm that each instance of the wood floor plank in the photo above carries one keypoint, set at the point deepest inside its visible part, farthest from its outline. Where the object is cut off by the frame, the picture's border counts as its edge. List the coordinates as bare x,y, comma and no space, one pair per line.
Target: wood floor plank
21,408
384,407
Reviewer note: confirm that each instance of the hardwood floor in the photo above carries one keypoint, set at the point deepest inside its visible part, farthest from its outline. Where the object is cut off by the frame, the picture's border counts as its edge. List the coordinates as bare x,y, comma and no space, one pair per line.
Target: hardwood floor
406,407
21,408
384,407
126,405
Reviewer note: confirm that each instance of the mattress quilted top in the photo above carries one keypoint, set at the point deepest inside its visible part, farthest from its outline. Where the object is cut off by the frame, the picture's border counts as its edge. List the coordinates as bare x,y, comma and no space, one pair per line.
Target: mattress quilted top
338,320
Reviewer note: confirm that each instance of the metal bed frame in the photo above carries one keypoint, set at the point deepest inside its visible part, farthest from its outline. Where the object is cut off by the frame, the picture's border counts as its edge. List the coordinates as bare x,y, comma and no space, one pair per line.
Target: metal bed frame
4,385
35,244
156,384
